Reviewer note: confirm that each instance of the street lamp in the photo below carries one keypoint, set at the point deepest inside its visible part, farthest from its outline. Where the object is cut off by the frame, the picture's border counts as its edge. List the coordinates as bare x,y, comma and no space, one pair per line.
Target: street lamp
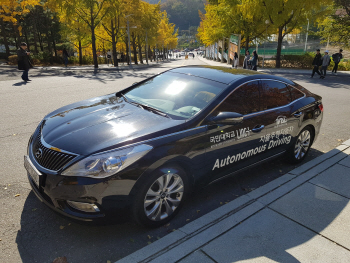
307,32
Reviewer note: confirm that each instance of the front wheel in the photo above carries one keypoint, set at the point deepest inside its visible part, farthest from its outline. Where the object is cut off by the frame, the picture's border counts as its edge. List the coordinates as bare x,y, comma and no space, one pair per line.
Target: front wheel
161,197
298,151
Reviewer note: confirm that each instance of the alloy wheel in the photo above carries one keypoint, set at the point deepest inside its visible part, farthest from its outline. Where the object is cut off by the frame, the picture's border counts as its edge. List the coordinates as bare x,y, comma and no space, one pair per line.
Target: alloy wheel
163,197
302,144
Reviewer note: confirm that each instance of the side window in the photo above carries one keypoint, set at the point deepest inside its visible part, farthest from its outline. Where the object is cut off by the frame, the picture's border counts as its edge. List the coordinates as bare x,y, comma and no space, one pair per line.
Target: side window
243,100
296,94
274,94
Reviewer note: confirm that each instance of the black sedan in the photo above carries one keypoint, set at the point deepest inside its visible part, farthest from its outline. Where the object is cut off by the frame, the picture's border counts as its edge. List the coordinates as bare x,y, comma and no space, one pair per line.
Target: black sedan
143,149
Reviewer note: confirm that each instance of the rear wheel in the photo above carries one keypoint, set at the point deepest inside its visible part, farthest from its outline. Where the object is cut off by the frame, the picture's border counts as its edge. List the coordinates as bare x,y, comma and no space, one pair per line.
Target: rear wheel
300,148
161,197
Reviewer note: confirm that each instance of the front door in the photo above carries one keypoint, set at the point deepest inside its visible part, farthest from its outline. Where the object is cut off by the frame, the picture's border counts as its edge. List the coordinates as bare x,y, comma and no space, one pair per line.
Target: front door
233,147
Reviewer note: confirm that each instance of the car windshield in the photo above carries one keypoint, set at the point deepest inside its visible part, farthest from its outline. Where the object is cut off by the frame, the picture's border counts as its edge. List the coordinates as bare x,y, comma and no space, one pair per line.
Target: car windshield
178,95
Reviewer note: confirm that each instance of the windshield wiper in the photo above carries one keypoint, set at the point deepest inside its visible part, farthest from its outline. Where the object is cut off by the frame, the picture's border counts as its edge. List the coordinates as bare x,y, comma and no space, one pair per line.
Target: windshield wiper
124,97
131,102
154,110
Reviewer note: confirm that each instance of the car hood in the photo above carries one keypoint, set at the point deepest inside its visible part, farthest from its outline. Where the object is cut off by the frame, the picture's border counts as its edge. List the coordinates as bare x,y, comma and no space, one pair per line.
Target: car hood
101,123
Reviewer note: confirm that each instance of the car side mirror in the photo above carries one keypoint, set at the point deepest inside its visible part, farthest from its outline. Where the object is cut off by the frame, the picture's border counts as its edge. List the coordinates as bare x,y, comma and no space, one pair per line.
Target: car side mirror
228,118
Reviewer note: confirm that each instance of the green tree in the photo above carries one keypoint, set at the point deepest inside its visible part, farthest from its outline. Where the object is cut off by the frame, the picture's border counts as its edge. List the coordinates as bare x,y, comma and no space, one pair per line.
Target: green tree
287,15
336,26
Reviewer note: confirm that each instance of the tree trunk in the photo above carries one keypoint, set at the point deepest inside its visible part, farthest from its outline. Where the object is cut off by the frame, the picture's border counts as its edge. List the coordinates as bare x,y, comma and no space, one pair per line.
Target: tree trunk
93,38
35,36
150,53
41,42
146,54
49,48
80,54
140,49
279,47
114,44
134,48
247,43
4,36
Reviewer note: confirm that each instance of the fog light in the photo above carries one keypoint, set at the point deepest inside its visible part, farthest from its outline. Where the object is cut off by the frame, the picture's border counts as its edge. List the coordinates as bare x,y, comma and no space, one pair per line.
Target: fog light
85,207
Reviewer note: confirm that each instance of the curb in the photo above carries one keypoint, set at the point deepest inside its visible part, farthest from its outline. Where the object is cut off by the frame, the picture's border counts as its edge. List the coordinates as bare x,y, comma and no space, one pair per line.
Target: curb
182,242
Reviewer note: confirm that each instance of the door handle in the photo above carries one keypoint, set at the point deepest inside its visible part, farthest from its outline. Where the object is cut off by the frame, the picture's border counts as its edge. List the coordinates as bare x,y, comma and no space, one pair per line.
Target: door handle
298,114
258,128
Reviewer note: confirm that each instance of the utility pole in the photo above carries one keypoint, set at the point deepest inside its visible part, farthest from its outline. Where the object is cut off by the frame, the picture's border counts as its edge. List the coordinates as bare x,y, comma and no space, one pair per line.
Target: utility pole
146,47
307,32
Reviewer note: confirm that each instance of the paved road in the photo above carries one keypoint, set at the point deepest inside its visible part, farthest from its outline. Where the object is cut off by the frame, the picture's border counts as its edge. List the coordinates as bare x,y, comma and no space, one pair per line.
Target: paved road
30,232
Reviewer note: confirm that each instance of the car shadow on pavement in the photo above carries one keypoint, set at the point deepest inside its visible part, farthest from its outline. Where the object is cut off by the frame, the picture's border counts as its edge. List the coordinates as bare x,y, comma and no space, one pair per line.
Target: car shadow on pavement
45,235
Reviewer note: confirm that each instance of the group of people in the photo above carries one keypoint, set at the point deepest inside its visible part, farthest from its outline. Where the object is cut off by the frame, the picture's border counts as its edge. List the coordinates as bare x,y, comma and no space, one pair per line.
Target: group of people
250,62
324,62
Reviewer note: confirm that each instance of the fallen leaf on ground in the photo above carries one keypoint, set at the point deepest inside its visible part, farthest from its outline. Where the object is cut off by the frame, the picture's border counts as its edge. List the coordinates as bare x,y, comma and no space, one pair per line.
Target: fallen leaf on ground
108,261
187,220
280,171
167,225
5,188
339,140
198,211
34,209
69,224
17,195
149,237
149,242
61,227
220,203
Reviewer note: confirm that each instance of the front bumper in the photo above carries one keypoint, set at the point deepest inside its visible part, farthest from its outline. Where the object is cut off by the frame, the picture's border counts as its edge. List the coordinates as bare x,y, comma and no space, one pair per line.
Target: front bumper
111,196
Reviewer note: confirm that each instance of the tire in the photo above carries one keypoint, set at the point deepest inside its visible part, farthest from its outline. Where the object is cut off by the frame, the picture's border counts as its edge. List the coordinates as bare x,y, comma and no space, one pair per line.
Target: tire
153,206
301,146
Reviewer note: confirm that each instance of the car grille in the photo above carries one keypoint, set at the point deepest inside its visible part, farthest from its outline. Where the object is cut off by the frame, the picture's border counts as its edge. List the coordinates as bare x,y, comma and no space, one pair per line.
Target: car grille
48,158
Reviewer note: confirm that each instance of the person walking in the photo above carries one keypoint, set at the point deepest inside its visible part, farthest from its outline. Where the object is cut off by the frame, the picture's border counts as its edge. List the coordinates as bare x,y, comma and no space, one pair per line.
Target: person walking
235,60
23,61
65,56
246,62
254,61
336,58
325,63
122,58
109,57
316,63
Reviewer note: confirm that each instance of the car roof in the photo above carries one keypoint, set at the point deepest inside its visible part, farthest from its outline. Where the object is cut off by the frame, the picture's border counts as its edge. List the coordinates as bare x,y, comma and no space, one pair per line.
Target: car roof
224,74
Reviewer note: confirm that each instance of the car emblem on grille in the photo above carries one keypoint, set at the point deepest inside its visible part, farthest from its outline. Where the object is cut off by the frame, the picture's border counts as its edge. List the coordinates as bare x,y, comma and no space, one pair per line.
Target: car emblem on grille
39,153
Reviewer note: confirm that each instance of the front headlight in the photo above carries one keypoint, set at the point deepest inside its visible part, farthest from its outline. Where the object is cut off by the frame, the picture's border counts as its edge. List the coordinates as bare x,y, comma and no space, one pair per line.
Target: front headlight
106,164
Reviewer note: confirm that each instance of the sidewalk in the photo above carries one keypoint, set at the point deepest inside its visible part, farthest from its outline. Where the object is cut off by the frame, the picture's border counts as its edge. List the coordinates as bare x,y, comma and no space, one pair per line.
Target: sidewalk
302,216
273,70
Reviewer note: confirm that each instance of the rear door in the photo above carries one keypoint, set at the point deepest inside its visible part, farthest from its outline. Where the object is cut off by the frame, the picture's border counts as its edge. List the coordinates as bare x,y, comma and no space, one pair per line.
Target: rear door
281,119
